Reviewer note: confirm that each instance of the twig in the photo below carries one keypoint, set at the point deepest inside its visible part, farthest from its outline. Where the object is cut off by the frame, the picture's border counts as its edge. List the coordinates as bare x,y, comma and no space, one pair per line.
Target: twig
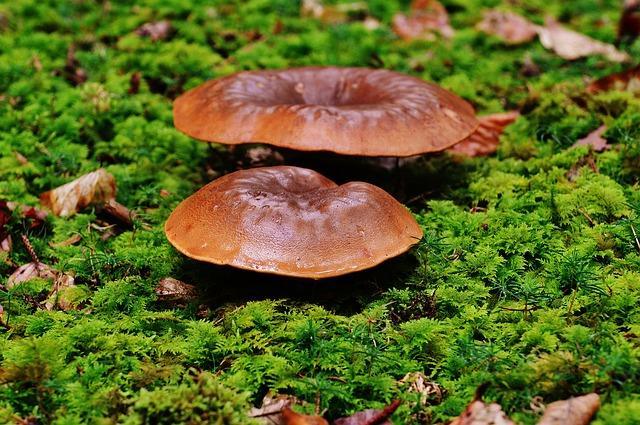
118,211
584,213
635,236
30,250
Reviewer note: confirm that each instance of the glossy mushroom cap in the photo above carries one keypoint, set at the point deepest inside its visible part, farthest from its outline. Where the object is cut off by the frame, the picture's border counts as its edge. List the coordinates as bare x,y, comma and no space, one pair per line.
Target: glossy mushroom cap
352,111
291,221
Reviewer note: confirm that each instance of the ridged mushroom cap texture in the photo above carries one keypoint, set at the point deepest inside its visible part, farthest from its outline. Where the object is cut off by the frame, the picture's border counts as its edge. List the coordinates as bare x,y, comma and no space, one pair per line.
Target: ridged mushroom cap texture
291,221
351,111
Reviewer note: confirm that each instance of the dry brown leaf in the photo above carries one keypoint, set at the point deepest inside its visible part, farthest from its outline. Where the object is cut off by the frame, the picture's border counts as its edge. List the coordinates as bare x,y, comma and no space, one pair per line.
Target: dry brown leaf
510,27
97,187
156,31
270,412
595,140
170,289
574,411
370,416
628,80
629,25
430,392
30,271
480,413
289,417
485,140
426,18
572,45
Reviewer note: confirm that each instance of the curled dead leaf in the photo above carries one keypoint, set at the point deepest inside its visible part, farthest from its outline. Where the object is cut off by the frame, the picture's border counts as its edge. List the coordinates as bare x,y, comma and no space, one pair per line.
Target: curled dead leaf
573,411
156,31
595,140
96,187
426,18
628,80
170,289
270,412
510,27
486,139
289,417
572,45
480,413
29,271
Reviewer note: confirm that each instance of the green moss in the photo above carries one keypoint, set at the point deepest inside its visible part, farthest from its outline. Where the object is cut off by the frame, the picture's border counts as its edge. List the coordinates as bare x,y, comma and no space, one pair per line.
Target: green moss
527,277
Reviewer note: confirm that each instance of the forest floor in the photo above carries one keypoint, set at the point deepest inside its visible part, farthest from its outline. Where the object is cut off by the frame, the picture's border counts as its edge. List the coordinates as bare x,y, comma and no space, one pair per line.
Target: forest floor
527,278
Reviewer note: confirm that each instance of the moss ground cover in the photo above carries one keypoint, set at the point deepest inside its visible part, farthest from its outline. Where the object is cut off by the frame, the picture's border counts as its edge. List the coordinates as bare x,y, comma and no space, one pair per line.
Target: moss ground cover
528,277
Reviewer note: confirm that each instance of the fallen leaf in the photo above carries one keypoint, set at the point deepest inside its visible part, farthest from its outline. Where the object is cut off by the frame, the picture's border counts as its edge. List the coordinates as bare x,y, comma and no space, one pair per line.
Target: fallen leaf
510,27
595,140
97,187
628,80
574,411
629,25
480,413
289,417
170,289
572,45
425,18
430,392
30,271
156,31
485,140
370,416
270,412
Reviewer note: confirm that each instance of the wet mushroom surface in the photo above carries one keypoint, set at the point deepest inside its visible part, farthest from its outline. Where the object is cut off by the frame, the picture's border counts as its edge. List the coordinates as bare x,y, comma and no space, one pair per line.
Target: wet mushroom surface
352,111
291,221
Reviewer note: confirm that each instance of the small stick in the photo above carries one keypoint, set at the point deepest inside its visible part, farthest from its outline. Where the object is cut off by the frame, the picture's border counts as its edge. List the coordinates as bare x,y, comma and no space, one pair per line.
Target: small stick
119,212
30,250
635,236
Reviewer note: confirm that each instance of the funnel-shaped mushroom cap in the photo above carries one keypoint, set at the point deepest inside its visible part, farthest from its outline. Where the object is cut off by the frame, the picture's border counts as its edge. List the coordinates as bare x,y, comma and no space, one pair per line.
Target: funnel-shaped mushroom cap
291,221
352,111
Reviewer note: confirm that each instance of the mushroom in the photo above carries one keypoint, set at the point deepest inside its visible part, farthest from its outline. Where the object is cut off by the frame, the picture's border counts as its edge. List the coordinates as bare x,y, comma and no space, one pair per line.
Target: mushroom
351,111
291,221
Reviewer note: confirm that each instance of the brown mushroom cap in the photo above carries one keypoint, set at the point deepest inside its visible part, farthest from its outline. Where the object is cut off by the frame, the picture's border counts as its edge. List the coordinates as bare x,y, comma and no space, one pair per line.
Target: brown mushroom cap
291,221
352,111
